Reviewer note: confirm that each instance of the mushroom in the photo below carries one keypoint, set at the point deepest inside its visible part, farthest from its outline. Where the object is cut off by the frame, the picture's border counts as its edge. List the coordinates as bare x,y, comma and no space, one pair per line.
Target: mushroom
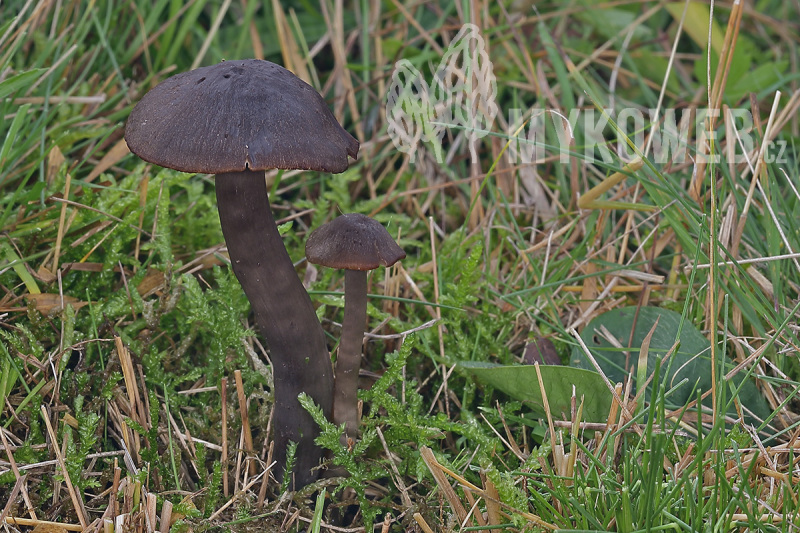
356,243
235,120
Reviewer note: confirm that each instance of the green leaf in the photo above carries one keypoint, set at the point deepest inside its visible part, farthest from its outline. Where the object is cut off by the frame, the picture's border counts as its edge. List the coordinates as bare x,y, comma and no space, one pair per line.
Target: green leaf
521,383
20,117
610,22
761,78
283,229
19,267
317,518
20,81
688,369
696,24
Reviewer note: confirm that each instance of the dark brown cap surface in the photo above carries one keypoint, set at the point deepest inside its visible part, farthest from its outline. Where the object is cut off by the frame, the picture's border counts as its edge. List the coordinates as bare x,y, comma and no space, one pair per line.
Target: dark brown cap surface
353,242
541,350
238,115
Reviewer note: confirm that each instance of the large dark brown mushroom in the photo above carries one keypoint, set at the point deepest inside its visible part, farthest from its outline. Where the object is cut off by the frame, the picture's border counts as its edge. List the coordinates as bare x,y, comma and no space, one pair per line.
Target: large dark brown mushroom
356,243
237,119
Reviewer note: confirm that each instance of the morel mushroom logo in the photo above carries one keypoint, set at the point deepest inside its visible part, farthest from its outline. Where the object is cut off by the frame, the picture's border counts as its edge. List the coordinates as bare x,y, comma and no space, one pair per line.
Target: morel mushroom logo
462,95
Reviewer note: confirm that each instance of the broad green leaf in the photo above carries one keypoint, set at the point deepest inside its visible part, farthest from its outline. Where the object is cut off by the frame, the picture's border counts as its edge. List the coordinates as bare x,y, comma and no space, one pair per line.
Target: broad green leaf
521,383
687,370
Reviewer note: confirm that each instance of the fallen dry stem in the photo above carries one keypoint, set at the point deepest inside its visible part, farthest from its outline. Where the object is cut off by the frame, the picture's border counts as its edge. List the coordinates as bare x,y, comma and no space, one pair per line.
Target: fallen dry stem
437,470
73,494
248,436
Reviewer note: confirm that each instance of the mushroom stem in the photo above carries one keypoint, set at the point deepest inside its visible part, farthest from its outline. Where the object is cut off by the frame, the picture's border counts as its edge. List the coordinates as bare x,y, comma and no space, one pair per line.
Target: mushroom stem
345,395
284,314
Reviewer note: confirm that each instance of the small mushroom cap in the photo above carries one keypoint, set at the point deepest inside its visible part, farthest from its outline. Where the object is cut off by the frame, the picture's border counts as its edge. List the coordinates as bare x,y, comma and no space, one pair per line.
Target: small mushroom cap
238,115
353,242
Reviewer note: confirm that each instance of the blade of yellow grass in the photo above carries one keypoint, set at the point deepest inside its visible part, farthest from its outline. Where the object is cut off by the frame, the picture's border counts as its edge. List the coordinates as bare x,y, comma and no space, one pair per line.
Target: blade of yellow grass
113,503
670,63
492,503
212,32
611,421
224,395
546,405
133,395
716,92
417,26
236,497
112,217
572,458
17,475
46,303
54,161
614,390
764,518
150,512
737,236
341,74
111,158
398,478
450,495
726,56
166,516
66,55
290,52
422,523
435,465
589,200
696,24
15,521
130,380
642,379
73,494
473,507
61,227
248,436
590,282
255,38
438,310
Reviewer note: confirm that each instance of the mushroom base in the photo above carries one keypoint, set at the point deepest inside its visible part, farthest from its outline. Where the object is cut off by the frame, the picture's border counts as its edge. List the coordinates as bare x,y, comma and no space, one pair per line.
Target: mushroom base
284,315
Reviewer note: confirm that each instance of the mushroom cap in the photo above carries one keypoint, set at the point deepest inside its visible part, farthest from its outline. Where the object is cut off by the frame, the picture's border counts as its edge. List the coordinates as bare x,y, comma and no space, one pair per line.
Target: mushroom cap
354,242
238,115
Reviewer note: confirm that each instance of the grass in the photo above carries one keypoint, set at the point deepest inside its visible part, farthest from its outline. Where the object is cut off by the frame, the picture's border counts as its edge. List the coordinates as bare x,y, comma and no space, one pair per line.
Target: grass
123,328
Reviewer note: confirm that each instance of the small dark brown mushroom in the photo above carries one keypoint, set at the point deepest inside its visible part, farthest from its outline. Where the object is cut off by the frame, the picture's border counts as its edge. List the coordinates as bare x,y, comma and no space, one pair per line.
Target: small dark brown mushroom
541,350
356,243
237,119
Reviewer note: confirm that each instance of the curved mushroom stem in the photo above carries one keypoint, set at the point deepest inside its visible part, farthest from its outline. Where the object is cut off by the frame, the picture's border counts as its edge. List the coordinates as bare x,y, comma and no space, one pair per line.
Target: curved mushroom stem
345,395
284,314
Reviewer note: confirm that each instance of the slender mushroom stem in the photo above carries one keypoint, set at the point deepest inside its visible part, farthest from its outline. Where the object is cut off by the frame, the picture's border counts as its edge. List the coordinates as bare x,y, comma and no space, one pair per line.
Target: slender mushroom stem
284,314
345,395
